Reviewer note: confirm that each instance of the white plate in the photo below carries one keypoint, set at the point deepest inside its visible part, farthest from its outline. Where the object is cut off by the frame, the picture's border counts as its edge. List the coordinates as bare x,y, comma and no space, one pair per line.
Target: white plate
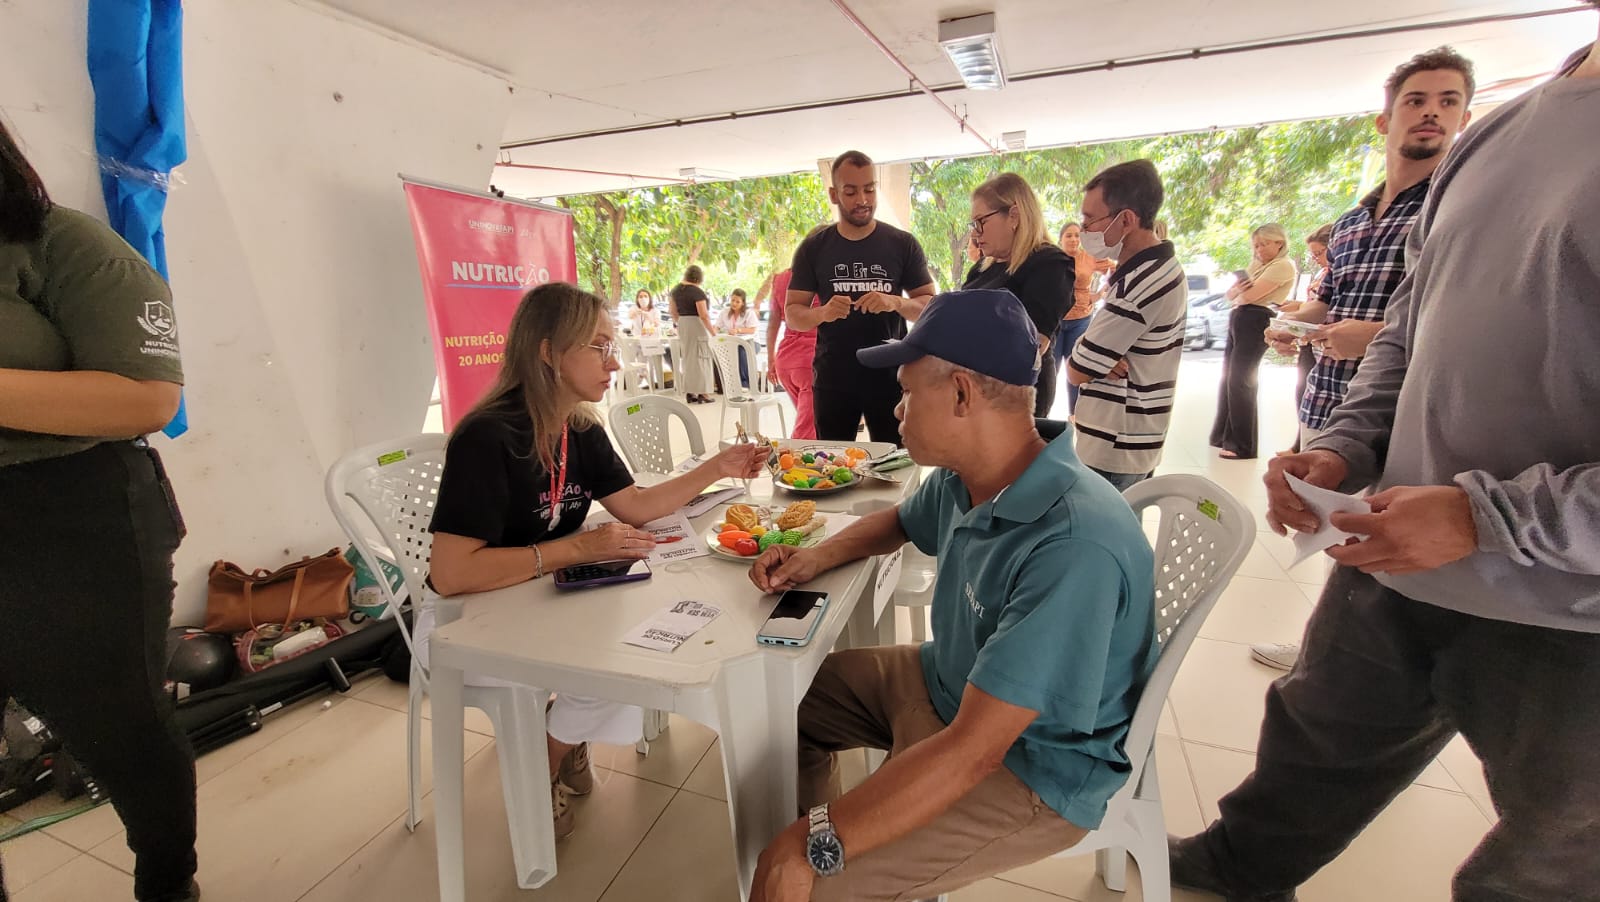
728,554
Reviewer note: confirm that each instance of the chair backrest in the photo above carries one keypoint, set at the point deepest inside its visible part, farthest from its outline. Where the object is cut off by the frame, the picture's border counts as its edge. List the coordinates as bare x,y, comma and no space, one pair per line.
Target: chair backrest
392,486
1203,536
642,427
725,349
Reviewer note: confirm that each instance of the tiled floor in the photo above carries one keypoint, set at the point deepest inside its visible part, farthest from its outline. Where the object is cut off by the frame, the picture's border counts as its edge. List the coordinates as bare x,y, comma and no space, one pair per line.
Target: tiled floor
312,807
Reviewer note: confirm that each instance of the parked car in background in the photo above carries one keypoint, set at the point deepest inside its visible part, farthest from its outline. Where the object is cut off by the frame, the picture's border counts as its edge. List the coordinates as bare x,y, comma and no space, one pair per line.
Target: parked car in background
1208,322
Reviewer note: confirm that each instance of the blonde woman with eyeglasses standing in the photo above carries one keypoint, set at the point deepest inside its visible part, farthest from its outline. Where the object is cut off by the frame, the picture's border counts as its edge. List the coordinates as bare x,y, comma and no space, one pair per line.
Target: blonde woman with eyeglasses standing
1008,229
521,472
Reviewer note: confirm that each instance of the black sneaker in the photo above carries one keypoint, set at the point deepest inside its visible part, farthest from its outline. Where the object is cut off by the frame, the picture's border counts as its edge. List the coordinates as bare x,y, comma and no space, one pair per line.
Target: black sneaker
1192,868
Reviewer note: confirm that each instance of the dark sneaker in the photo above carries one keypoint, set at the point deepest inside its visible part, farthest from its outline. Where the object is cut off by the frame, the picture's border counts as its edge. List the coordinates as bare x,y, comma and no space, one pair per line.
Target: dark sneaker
575,772
1192,868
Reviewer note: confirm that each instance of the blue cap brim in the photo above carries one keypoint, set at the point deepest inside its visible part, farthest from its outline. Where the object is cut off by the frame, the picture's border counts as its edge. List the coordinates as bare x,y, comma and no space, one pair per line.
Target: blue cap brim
890,354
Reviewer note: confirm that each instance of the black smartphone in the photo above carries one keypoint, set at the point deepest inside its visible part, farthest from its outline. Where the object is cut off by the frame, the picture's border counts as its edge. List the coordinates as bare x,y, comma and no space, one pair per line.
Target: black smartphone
795,618
604,573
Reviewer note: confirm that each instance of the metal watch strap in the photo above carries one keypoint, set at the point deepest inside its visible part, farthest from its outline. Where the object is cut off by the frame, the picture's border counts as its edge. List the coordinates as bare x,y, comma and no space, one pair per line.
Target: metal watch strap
819,820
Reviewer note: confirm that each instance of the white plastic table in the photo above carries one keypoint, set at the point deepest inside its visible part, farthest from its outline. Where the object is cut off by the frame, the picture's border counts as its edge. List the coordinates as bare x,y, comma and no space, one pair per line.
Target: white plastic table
536,635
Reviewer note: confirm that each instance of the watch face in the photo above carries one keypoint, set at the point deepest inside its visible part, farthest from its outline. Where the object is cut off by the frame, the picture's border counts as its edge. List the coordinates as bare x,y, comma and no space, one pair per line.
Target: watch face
826,853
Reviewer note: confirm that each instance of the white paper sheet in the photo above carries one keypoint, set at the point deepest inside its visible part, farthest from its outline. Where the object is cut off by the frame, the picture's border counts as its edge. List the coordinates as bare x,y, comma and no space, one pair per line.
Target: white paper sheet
672,626
717,494
676,539
1323,502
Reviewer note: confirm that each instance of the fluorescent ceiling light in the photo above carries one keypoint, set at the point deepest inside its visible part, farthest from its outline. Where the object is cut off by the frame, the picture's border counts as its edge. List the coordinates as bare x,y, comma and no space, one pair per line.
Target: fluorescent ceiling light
970,44
1014,140
698,174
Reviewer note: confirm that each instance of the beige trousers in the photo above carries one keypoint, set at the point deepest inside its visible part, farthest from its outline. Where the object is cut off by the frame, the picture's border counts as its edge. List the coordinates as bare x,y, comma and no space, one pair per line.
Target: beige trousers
877,698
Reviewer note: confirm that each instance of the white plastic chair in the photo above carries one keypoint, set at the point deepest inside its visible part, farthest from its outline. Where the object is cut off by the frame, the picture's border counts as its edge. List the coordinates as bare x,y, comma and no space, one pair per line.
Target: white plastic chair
914,590
642,426
634,377
749,402
394,485
1203,536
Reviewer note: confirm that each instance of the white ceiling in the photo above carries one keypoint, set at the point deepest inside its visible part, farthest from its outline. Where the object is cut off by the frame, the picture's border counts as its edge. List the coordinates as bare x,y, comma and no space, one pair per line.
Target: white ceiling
617,63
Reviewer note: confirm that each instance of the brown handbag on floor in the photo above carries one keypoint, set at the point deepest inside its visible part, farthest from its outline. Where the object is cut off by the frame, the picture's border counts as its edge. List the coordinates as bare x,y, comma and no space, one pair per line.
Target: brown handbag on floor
312,587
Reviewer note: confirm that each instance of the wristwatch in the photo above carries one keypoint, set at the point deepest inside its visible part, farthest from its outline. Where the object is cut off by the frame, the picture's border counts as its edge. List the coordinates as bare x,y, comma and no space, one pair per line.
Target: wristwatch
823,849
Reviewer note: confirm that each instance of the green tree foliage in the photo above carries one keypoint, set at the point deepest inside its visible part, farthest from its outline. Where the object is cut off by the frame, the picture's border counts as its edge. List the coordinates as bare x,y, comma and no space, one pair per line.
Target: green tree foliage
1219,186
644,238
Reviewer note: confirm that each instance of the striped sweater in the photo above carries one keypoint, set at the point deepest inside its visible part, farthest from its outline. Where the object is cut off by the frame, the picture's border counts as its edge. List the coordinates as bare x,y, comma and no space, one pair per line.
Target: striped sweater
1122,423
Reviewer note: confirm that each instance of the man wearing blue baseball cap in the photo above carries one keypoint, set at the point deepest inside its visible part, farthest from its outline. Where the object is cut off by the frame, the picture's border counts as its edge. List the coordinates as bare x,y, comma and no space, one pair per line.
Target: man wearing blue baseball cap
1007,729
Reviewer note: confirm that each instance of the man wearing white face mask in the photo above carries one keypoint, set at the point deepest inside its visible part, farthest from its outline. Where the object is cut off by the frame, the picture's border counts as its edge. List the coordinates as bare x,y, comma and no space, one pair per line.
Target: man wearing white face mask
1127,361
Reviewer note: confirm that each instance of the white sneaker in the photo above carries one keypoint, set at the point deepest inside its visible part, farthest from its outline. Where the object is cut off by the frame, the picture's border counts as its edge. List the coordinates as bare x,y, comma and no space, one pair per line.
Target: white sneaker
1280,657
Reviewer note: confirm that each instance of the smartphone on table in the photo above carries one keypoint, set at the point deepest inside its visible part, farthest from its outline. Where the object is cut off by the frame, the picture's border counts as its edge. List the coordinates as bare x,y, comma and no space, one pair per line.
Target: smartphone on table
604,573
795,618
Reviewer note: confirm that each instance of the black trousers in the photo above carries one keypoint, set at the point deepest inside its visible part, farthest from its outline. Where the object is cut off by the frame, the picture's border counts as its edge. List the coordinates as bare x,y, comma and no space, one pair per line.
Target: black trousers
1382,683
839,413
86,544
1235,426
1303,365
1044,390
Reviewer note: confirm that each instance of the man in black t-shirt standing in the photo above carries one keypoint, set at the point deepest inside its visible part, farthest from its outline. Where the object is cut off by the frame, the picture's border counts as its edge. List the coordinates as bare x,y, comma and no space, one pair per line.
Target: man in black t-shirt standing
875,277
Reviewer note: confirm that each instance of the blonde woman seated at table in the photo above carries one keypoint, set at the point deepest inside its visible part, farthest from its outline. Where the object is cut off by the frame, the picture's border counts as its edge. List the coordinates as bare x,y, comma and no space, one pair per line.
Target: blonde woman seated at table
520,472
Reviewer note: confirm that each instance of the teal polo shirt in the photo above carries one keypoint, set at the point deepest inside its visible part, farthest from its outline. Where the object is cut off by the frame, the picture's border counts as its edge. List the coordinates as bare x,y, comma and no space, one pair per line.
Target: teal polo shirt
1045,599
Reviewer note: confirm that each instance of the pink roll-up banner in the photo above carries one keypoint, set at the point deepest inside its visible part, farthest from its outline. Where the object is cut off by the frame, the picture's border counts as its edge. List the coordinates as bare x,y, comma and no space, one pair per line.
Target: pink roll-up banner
479,254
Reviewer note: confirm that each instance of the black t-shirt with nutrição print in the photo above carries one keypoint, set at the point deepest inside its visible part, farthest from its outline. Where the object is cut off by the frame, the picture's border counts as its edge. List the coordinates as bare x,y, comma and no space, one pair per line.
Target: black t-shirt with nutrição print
495,488
888,260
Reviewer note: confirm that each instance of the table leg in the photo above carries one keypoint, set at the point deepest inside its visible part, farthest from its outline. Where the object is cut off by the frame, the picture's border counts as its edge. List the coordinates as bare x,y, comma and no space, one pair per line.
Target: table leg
760,759
448,794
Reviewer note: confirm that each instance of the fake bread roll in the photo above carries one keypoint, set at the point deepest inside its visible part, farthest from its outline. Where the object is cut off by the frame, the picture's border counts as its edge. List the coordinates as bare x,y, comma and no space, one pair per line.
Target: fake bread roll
743,516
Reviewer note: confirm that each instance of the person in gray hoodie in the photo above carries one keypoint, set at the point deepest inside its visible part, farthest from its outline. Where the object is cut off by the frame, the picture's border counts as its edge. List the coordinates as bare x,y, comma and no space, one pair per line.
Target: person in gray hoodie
1470,601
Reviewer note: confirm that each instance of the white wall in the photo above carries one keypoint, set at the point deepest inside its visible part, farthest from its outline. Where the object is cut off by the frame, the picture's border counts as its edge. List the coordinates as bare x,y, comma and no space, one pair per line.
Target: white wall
291,257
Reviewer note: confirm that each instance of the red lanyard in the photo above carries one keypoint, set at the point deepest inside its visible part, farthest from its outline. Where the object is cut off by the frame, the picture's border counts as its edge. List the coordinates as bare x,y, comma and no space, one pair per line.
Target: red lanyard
558,483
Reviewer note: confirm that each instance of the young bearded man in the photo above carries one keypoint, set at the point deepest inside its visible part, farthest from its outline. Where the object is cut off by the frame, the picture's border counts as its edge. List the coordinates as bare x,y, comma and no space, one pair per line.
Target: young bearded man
873,277
1007,729
1473,602
1425,109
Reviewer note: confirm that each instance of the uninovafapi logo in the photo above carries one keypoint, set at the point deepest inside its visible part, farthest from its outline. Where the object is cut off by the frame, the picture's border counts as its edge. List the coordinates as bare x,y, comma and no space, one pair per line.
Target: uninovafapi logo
478,225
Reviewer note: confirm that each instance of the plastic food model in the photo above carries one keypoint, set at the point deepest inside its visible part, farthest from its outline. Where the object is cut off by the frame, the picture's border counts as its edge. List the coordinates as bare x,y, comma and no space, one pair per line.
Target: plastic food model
743,533
818,468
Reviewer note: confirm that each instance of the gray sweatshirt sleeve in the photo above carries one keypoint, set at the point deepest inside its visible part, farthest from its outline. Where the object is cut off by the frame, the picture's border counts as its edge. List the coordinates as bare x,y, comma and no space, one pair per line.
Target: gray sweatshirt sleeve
1541,516
1359,428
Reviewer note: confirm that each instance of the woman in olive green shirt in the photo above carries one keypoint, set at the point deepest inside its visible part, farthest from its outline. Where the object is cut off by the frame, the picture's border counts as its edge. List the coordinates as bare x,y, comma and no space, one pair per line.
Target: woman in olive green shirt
88,525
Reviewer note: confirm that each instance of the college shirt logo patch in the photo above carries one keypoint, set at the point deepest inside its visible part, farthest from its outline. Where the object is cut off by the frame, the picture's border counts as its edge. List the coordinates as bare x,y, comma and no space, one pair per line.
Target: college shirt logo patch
158,319
159,322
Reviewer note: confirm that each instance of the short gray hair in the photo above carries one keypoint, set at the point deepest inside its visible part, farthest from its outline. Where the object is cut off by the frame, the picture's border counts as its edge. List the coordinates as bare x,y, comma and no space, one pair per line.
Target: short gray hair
1002,395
